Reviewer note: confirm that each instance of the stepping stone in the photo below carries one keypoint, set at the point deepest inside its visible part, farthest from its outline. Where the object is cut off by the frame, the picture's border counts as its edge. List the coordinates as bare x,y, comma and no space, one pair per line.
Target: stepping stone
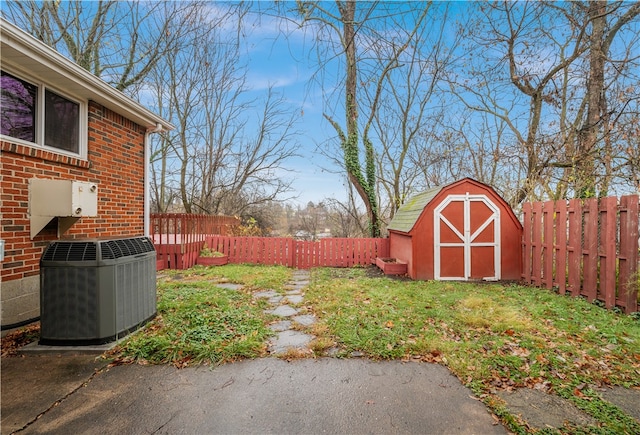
305,319
230,286
280,326
294,292
301,283
294,299
286,340
284,311
265,294
301,274
275,300
542,410
626,399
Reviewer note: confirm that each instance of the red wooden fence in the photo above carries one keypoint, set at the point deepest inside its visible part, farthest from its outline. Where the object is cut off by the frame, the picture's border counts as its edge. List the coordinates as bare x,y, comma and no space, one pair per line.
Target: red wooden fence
587,248
179,237
330,252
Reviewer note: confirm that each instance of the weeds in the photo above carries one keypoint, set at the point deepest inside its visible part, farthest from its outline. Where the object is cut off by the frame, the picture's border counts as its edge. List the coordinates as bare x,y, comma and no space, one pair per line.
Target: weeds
201,322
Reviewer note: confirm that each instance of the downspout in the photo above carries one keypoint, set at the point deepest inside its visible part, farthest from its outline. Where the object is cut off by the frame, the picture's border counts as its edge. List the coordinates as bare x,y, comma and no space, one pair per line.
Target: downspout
147,178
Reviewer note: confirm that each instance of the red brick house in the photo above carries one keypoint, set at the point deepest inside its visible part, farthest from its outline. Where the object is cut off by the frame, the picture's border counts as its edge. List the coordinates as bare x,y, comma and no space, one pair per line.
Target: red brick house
59,122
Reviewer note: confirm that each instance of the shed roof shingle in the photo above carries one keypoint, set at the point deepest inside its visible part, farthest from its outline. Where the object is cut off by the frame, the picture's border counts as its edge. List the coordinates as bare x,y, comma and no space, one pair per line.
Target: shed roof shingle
409,212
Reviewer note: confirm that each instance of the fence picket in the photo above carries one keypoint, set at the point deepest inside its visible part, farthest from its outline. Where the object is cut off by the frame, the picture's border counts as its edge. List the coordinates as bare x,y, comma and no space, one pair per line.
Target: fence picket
560,210
608,230
575,247
629,216
591,257
590,249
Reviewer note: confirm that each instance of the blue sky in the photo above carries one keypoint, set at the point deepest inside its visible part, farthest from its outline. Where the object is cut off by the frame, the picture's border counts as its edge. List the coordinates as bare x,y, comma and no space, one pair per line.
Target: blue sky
282,62
287,60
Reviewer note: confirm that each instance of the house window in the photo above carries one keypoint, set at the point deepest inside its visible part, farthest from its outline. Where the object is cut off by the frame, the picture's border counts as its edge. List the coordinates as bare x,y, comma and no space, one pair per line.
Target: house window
18,107
61,122
35,114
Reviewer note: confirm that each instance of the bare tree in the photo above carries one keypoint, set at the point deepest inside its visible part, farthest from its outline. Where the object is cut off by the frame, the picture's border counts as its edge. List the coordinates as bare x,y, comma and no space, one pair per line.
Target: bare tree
118,41
544,69
515,77
312,220
367,39
605,25
345,219
410,108
227,153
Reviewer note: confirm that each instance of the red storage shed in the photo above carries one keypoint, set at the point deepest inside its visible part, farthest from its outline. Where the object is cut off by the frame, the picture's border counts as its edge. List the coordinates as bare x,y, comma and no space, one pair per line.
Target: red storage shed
462,231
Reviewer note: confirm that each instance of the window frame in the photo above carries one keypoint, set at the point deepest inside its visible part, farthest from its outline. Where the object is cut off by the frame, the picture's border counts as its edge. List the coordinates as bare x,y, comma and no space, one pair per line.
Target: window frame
41,88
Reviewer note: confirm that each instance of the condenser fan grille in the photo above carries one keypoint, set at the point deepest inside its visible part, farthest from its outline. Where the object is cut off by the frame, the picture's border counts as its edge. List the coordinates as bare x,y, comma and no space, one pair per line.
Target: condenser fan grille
70,251
113,249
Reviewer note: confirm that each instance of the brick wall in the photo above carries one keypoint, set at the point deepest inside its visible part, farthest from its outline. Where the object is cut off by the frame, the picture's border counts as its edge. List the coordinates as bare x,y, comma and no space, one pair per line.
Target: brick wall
115,162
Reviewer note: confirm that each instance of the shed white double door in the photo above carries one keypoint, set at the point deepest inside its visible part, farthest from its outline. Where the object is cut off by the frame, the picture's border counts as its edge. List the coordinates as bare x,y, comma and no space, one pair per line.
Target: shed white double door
467,238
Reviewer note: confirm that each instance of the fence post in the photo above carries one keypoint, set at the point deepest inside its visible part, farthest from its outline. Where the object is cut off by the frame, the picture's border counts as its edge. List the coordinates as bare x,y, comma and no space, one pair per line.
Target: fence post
575,246
526,242
560,208
590,249
608,231
537,244
629,252
548,244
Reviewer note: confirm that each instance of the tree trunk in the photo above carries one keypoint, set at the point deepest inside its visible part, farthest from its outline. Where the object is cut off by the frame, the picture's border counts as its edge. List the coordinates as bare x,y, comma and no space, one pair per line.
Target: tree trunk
350,145
585,167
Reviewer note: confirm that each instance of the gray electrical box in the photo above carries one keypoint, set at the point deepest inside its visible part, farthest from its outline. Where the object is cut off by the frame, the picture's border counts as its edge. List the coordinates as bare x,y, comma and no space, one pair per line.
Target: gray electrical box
66,200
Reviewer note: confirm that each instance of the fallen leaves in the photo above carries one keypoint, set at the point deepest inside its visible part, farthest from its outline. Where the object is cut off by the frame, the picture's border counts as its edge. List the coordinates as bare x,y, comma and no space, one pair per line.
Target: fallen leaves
435,356
13,341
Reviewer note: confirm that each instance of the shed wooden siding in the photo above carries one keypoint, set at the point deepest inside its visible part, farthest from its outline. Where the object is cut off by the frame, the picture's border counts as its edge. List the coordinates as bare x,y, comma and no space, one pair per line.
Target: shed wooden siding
401,246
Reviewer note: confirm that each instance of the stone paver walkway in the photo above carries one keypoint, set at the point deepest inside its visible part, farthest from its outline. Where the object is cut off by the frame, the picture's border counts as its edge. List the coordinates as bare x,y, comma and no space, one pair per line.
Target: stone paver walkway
291,335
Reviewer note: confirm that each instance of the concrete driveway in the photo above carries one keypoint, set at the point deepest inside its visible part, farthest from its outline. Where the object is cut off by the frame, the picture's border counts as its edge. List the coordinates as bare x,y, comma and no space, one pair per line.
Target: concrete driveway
77,394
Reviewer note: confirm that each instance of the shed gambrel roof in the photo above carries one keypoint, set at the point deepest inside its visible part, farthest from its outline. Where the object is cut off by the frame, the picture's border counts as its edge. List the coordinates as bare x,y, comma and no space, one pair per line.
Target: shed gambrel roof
409,212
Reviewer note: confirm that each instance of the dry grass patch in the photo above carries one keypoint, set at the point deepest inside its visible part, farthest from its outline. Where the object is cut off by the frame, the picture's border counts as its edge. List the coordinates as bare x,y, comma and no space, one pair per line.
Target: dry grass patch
485,312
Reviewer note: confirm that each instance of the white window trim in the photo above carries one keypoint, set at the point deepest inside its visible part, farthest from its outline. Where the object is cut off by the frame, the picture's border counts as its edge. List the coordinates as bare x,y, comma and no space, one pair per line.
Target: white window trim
39,144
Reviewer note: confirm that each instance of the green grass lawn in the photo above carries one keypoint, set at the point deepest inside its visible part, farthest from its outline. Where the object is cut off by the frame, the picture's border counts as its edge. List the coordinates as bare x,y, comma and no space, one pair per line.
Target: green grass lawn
491,336
199,321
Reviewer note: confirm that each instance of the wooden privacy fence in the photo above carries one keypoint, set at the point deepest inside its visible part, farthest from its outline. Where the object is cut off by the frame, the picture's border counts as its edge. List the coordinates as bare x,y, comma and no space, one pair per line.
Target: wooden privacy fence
330,252
179,237
587,248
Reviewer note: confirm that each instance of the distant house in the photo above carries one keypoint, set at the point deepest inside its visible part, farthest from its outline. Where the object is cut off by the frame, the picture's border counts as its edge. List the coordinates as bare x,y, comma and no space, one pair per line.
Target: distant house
88,141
